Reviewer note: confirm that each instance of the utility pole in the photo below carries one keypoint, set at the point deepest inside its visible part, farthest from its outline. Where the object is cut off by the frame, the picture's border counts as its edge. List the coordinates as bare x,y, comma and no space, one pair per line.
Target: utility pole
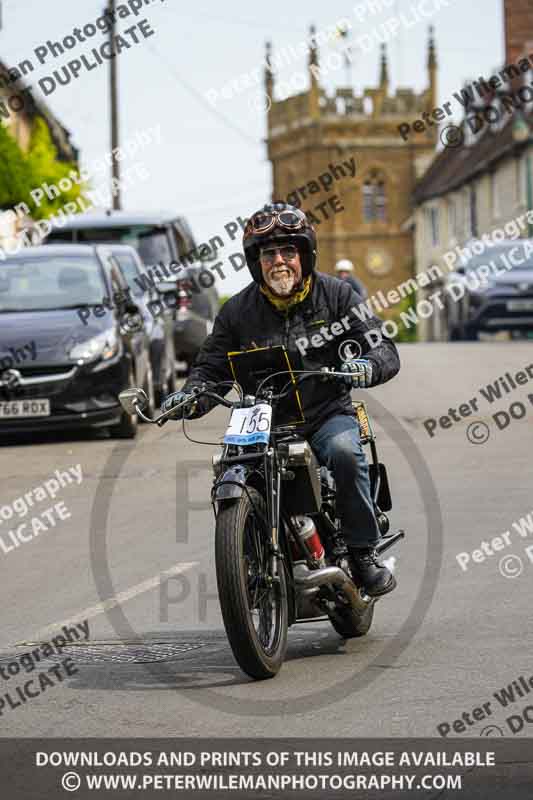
113,90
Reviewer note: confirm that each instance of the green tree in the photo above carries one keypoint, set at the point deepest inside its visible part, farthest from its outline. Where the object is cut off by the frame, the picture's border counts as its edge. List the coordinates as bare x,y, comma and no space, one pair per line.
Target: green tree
15,178
407,332
45,168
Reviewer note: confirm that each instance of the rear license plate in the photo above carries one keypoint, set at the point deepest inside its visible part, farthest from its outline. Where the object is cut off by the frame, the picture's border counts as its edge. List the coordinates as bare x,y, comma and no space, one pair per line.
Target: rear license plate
16,409
520,305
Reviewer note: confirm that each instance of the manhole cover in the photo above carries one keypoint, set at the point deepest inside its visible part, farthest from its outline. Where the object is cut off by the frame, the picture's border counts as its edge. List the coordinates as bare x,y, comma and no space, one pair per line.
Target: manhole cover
122,654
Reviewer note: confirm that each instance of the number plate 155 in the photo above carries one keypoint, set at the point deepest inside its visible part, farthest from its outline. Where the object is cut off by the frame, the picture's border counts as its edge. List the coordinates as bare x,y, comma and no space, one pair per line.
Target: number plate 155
249,425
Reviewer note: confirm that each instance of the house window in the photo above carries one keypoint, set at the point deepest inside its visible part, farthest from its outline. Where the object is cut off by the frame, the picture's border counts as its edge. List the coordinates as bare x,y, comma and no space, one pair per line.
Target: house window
374,198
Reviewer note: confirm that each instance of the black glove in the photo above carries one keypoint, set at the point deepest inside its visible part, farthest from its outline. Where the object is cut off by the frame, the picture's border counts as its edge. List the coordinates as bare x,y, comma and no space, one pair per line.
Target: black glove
175,399
359,373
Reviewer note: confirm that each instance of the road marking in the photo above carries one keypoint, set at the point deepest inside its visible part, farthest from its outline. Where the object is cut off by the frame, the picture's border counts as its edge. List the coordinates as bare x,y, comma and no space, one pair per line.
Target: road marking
107,605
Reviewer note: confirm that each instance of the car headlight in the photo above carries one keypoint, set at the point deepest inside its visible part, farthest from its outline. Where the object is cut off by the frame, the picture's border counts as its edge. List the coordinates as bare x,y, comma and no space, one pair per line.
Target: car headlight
104,346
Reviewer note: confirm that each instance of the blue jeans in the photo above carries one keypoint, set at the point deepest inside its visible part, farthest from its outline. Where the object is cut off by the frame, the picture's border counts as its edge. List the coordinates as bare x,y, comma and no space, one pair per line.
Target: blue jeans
337,445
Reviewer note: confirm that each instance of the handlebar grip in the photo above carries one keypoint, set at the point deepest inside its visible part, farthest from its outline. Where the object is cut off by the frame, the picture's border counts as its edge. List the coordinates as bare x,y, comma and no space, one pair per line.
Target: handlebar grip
219,399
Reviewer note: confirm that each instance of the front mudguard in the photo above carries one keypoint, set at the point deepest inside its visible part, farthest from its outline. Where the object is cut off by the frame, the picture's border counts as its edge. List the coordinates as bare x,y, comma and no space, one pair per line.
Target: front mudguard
230,485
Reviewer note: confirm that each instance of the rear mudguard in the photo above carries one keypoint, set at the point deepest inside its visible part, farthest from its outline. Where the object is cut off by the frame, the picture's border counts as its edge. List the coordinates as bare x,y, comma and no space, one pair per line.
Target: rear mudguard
230,485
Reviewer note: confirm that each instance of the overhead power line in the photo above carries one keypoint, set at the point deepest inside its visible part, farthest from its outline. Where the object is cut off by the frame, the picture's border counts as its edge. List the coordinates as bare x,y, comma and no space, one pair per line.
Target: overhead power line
201,99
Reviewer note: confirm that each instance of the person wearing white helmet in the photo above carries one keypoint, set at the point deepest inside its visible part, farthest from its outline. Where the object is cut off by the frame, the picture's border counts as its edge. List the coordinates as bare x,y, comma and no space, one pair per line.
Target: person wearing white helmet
344,271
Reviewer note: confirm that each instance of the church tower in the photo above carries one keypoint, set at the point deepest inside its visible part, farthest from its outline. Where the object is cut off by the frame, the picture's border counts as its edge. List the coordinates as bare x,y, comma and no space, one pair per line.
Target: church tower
311,134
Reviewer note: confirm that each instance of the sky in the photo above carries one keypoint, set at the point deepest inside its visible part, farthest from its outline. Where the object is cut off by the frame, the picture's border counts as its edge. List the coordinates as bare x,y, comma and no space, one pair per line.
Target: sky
211,163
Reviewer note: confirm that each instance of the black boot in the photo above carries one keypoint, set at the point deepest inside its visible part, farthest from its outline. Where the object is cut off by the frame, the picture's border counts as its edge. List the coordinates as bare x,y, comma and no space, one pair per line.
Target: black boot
369,574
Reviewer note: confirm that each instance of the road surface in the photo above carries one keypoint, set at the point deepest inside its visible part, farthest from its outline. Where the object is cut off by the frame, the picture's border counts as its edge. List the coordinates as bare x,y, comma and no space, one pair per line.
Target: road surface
134,560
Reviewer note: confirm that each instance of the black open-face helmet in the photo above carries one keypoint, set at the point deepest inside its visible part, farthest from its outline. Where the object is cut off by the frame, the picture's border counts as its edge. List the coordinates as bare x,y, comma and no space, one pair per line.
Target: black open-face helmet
279,223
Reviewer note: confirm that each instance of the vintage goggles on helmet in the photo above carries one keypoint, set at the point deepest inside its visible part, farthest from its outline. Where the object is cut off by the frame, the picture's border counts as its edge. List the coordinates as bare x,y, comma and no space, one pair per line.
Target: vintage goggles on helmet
265,221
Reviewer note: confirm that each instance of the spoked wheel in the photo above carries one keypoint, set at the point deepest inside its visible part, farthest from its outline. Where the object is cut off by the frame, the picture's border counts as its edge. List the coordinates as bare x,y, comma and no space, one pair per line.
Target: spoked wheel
254,603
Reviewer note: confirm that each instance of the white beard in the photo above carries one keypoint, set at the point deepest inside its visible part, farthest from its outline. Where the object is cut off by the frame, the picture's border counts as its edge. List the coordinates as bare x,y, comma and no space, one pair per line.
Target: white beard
282,285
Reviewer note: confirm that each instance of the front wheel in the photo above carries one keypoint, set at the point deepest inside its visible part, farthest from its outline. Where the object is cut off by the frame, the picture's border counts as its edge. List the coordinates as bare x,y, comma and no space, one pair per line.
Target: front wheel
254,604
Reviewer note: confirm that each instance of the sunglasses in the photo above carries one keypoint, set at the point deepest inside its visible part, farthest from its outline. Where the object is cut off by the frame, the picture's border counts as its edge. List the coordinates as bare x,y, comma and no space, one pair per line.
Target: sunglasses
287,253
264,221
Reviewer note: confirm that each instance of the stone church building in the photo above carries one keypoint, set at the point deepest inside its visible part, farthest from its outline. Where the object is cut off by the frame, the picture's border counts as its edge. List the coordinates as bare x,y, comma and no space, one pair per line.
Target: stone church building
311,134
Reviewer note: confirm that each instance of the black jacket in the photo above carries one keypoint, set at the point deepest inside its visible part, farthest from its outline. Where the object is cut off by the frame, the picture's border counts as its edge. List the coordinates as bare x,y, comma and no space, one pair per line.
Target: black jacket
249,320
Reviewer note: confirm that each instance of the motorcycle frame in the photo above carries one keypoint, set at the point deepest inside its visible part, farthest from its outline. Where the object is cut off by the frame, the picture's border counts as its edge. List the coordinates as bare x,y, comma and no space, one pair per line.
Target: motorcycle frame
234,473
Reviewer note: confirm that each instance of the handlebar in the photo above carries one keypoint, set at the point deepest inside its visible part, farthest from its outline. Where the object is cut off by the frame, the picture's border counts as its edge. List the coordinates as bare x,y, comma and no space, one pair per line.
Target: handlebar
203,391
166,415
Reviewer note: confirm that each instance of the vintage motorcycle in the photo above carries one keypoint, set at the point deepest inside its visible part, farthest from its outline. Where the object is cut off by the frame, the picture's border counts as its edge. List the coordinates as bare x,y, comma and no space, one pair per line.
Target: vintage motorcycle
280,556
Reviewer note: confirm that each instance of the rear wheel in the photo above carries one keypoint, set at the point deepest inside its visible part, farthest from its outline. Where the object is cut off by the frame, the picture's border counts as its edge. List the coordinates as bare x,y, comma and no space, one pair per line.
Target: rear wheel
254,605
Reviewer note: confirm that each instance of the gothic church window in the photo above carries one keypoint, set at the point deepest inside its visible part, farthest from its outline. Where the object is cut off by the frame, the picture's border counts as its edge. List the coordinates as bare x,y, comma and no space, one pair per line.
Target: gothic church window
374,198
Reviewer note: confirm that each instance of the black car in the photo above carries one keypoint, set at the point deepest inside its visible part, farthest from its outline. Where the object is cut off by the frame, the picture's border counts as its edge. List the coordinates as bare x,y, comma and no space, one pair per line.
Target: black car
492,291
158,320
159,238
66,348
196,308
156,236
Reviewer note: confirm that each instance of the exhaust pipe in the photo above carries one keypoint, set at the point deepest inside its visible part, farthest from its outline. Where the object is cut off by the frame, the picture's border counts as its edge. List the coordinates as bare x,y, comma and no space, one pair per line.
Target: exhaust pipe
306,579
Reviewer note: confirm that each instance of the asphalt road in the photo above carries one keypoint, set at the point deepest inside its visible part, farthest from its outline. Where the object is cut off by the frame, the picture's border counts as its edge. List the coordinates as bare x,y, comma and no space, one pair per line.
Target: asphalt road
135,559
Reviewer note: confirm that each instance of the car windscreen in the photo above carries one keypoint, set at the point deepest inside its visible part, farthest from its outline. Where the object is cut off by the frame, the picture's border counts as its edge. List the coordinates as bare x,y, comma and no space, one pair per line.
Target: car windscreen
128,267
32,284
515,254
150,242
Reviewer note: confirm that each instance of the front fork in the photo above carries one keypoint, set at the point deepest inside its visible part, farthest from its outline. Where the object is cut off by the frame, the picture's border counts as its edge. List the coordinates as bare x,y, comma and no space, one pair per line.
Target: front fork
231,487
273,498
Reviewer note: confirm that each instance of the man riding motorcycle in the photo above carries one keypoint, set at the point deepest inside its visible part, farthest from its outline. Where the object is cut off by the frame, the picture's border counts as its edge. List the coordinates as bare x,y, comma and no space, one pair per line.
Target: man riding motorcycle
290,304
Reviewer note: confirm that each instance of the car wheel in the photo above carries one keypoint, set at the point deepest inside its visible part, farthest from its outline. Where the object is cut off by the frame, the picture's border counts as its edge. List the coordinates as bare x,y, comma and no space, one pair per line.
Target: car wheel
471,334
127,427
455,334
466,333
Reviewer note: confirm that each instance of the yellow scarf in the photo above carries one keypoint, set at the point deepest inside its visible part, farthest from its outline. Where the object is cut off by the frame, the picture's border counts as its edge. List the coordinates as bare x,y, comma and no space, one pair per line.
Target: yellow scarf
285,303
